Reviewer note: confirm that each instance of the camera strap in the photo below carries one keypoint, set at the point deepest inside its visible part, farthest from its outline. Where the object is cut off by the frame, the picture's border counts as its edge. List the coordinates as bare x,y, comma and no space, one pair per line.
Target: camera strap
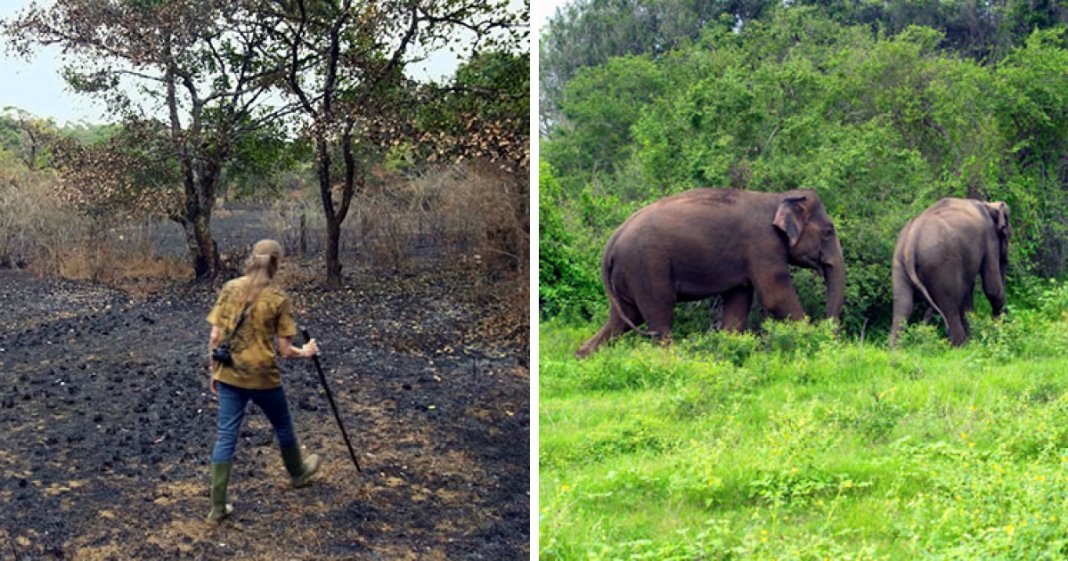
240,320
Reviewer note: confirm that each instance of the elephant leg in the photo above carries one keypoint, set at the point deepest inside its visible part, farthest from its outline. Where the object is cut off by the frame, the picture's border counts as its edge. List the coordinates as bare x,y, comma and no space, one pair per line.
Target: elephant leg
993,285
952,307
778,296
965,324
614,327
904,295
736,304
958,333
658,309
966,308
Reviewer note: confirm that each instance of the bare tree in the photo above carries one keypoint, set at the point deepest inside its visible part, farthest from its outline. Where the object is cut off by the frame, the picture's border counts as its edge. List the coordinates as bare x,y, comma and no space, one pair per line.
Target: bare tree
193,66
345,62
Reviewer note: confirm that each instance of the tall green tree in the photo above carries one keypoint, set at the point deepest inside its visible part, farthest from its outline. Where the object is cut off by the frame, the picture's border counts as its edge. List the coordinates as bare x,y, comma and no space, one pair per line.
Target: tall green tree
587,33
599,106
27,136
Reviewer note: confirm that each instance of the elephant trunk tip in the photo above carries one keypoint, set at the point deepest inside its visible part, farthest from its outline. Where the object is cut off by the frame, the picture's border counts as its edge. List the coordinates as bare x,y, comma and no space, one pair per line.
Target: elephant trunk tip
835,280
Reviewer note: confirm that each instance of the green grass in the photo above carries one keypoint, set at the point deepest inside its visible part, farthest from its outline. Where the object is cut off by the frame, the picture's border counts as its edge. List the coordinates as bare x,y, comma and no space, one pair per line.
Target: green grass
796,444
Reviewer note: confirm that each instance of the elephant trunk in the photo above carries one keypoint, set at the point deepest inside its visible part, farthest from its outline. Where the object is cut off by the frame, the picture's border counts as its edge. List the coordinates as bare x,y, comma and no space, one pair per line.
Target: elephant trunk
834,277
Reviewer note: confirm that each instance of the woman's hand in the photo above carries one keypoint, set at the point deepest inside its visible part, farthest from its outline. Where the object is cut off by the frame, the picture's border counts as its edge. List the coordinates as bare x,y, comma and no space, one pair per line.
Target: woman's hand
287,350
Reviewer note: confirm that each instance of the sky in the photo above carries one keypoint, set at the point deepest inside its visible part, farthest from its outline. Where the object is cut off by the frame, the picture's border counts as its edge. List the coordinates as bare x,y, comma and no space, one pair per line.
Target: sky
36,86
542,10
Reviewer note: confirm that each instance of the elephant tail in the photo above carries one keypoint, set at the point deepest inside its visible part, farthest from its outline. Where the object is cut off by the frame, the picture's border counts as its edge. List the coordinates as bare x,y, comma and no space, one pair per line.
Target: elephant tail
613,298
914,277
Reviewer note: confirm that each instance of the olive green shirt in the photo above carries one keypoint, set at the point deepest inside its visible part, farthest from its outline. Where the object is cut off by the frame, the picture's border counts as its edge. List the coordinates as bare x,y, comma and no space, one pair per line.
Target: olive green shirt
253,346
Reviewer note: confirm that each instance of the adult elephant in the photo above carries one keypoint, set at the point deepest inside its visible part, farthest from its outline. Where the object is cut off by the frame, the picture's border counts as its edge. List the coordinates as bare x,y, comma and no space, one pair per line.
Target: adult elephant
704,242
940,252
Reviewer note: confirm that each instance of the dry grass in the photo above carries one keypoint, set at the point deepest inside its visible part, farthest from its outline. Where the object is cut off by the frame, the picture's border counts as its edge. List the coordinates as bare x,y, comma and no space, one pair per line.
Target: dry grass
29,215
41,233
469,212
472,215
120,256
105,264
486,210
466,214
299,225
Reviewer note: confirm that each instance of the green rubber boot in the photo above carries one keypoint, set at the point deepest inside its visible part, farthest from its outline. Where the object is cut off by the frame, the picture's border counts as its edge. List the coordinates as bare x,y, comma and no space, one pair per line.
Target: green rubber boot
300,469
220,478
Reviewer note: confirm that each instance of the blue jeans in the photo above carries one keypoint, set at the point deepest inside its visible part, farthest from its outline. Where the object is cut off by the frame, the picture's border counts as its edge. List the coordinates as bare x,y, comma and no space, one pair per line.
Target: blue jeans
232,402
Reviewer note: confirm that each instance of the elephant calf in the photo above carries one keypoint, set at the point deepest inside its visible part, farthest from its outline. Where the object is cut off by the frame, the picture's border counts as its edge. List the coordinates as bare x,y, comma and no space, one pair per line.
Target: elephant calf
704,242
940,252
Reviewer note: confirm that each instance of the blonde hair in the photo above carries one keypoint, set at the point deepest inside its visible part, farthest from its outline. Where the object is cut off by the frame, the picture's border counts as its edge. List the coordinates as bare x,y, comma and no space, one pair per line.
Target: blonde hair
261,267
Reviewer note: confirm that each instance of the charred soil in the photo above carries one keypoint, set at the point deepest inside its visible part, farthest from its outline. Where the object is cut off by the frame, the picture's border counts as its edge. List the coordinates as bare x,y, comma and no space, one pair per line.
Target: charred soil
106,425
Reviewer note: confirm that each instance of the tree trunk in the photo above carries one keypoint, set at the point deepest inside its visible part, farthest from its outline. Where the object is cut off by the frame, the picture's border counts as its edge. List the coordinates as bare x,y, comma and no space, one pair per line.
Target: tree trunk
206,261
303,234
203,251
333,260
333,220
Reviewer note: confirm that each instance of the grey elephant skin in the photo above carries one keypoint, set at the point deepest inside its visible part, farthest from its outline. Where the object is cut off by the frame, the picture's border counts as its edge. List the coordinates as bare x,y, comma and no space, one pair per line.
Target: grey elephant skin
938,256
705,242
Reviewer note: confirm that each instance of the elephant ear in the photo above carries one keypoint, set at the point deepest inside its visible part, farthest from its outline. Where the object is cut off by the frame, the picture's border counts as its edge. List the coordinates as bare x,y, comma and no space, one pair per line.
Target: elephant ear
999,211
791,217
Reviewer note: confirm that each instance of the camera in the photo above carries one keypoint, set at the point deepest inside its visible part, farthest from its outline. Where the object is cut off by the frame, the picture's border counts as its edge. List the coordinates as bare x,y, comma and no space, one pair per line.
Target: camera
221,354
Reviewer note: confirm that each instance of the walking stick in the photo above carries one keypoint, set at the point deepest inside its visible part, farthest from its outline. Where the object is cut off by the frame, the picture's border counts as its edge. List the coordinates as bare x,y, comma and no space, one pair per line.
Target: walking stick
333,406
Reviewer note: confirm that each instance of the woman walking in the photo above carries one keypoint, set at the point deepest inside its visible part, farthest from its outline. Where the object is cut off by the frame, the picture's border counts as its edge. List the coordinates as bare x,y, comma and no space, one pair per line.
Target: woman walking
249,316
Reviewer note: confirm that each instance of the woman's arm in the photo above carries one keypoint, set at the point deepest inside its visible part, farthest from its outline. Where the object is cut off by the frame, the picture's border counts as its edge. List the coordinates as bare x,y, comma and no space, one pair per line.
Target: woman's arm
287,350
213,342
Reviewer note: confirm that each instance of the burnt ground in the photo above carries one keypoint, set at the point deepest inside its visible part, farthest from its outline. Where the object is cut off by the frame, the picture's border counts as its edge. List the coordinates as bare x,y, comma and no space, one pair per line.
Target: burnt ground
106,426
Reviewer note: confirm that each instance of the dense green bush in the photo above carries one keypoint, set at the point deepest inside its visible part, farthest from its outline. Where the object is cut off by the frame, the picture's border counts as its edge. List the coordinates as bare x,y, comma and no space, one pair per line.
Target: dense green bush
568,282
880,125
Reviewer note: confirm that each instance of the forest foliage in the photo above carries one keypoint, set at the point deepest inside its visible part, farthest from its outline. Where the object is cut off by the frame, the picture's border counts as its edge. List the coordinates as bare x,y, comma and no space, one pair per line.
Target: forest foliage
882,114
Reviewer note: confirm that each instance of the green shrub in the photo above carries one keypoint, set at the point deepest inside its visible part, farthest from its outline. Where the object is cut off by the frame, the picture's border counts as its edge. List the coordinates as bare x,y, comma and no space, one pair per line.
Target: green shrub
645,435
790,338
569,285
923,339
734,348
